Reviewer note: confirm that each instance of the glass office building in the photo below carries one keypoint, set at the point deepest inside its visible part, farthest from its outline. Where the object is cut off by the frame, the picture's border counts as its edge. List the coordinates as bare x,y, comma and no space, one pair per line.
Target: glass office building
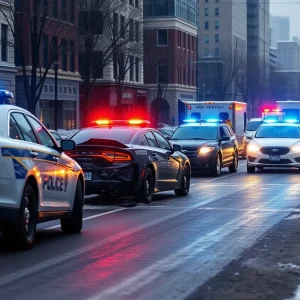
183,9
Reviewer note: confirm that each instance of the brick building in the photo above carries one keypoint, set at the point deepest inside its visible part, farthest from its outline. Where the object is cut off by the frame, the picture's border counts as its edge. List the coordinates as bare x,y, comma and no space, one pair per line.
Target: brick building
170,54
63,36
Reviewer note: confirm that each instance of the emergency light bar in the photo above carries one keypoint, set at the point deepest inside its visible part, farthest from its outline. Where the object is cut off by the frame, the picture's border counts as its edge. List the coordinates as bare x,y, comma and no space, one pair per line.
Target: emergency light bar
133,122
203,121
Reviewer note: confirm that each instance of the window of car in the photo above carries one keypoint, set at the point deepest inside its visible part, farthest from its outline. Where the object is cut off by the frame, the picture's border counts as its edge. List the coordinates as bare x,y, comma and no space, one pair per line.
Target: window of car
204,132
277,132
151,139
43,135
14,131
25,128
162,143
224,131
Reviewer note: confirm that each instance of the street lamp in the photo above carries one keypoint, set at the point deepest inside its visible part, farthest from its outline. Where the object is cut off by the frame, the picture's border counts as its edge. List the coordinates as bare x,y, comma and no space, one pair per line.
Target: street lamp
55,96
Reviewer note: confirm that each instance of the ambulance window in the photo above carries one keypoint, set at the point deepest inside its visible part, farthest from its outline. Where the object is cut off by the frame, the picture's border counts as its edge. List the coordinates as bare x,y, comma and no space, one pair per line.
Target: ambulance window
14,131
25,128
196,116
45,138
224,116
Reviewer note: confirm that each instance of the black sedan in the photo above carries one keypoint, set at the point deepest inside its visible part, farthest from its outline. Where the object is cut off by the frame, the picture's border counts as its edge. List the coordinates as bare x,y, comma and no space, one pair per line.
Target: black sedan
209,146
122,158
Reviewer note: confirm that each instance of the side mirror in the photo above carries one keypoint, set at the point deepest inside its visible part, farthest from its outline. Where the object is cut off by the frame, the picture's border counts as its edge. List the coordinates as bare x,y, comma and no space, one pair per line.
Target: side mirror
249,137
177,147
225,139
67,145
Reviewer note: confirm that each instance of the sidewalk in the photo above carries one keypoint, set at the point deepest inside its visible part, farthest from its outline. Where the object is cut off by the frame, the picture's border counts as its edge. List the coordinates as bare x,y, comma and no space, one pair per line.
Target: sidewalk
268,270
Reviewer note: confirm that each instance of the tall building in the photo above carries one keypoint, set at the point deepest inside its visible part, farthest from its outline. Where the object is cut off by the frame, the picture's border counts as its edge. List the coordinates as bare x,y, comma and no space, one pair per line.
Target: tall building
116,60
170,54
280,29
58,47
7,55
222,38
273,59
288,53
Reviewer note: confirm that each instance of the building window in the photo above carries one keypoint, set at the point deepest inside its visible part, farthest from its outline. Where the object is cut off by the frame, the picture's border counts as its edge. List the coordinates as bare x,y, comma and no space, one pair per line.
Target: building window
72,11
69,90
217,25
45,88
64,10
74,90
179,75
137,4
162,37
122,27
217,11
45,51
162,74
115,24
131,30
4,31
54,8
188,42
97,65
192,43
137,69
131,2
64,55
184,40
72,56
131,68
206,51
115,66
184,76
51,89
206,39
217,51
217,38
206,25
189,77
60,89
45,7
54,49
65,89
137,31
179,38
206,12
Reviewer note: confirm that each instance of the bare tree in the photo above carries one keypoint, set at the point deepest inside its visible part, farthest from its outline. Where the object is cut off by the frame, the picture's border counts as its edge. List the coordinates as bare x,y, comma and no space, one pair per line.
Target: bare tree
35,24
218,72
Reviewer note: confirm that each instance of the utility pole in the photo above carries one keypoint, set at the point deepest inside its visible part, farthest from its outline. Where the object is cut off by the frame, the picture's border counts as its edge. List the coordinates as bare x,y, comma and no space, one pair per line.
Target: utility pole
55,96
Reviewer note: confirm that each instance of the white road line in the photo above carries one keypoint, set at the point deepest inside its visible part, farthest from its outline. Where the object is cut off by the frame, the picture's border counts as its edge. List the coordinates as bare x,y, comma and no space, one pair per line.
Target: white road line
91,217
219,178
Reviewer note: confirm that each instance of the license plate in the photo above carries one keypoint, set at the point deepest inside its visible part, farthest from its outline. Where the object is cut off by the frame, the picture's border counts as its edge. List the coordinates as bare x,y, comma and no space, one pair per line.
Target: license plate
274,158
88,175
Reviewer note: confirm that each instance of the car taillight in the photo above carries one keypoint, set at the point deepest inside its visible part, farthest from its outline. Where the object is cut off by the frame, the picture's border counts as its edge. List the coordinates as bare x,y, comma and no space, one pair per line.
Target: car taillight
117,156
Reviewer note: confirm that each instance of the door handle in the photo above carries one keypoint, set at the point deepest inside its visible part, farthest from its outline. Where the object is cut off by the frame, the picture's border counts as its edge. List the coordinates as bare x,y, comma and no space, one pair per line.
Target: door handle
55,158
33,154
153,154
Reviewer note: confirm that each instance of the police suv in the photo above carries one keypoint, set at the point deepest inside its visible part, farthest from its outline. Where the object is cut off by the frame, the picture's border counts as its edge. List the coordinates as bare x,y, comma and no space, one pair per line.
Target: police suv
38,182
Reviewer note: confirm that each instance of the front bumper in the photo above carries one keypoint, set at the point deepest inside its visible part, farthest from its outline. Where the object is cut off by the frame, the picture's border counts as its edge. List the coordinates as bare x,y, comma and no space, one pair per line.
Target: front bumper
203,162
290,160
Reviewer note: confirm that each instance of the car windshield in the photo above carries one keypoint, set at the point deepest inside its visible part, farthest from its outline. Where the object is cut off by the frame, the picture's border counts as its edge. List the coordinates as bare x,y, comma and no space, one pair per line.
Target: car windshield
289,132
122,135
253,125
195,133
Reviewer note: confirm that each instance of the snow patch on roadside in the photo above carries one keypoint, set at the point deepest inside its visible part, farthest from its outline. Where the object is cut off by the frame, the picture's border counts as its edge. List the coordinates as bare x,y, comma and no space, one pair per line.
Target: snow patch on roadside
290,268
297,294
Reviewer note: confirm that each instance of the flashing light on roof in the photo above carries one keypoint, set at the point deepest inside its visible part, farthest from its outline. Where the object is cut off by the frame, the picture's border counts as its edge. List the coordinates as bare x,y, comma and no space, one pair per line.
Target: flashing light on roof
213,120
190,121
266,110
102,122
136,122
291,121
271,121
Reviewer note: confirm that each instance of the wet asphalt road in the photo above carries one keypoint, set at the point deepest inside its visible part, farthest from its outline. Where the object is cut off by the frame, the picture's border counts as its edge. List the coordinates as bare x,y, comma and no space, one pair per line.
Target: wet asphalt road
164,250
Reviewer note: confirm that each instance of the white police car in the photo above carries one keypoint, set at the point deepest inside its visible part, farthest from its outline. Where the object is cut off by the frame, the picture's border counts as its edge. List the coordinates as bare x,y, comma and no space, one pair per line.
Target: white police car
38,182
275,144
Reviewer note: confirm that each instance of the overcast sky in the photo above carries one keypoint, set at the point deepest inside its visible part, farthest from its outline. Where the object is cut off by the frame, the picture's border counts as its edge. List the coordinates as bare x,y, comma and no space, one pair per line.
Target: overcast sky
290,9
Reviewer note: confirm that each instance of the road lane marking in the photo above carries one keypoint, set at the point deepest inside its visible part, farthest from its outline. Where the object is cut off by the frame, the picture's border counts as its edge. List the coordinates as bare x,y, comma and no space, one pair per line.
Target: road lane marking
219,178
90,217
153,272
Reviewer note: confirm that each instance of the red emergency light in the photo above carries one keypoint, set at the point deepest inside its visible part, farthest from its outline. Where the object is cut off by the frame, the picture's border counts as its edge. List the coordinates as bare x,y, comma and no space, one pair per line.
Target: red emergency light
133,122
266,110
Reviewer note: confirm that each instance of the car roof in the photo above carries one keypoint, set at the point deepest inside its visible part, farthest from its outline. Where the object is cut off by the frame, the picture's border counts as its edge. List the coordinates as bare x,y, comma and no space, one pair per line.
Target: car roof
5,108
280,124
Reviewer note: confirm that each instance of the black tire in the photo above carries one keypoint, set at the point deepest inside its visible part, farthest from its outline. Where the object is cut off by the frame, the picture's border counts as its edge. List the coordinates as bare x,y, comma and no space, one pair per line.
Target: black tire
233,168
250,169
73,224
185,183
145,194
22,234
216,168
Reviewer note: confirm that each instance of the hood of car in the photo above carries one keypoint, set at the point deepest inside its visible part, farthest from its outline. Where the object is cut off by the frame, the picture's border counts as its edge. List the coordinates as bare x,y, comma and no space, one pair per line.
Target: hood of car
275,142
193,143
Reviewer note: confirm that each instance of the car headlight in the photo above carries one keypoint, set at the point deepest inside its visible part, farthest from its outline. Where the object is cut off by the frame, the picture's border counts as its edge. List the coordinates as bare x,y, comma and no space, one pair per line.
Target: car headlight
253,148
205,150
296,149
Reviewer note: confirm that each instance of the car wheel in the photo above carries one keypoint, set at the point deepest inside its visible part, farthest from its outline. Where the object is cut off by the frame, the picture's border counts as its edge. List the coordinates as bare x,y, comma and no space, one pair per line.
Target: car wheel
73,224
145,194
185,183
22,234
216,168
233,168
250,169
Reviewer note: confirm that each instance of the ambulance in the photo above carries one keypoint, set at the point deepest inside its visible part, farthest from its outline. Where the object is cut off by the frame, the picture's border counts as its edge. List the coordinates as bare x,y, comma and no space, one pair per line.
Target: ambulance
291,109
232,112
